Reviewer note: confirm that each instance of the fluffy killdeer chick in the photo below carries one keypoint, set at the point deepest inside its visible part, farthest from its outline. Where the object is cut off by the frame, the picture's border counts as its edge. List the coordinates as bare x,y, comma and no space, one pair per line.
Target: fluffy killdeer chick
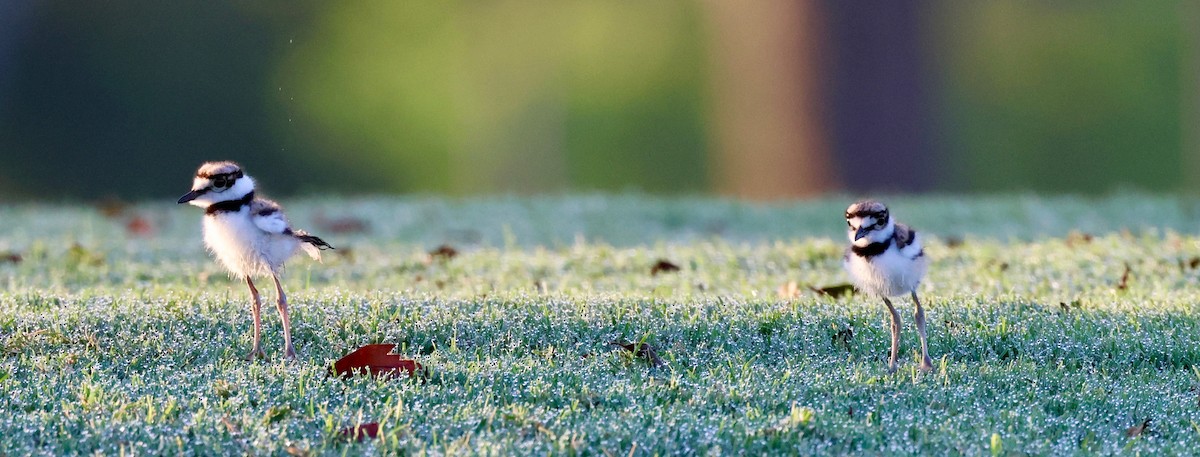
250,236
886,259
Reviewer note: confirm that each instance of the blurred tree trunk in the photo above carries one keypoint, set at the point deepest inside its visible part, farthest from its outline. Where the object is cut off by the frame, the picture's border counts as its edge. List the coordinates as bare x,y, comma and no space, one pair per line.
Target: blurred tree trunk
880,112
769,134
1189,125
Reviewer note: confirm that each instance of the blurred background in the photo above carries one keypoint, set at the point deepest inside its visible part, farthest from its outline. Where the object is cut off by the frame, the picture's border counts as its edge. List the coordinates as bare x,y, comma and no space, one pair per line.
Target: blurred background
761,100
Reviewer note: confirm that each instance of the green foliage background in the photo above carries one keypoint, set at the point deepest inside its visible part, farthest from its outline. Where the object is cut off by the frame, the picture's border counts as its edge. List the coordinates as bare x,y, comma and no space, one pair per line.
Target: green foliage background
518,96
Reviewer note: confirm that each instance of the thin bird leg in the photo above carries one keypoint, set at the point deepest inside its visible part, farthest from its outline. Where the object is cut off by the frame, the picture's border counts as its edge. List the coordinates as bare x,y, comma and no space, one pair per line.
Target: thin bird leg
289,351
926,364
256,311
895,335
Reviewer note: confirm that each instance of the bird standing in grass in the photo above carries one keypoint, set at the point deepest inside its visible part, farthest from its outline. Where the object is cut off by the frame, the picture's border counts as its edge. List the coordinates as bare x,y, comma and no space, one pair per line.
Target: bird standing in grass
886,259
250,236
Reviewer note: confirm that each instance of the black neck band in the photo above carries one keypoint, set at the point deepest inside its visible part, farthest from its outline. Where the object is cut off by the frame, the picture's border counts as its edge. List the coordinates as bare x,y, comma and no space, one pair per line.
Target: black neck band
230,206
871,250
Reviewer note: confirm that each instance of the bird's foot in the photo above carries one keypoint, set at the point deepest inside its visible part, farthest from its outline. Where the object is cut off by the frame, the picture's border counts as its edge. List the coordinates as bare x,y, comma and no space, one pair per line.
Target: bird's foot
926,365
255,354
290,355
891,368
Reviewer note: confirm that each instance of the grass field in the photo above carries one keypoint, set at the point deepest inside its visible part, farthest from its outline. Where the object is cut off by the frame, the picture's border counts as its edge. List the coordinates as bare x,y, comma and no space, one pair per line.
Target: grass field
120,343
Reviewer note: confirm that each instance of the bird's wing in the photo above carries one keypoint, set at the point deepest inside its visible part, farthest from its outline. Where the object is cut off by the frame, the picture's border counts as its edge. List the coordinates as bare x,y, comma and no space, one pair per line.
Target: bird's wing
268,217
907,241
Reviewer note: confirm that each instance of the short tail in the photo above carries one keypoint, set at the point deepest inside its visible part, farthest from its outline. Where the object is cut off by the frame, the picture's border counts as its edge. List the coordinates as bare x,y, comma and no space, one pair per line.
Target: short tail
311,244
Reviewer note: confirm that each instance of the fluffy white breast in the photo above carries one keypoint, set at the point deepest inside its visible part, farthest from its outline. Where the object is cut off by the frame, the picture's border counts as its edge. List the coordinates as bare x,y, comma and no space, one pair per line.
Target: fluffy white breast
894,272
244,248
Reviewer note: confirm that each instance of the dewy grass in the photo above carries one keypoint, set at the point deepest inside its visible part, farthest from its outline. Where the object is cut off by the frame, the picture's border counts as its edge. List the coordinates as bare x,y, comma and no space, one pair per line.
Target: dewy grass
112,343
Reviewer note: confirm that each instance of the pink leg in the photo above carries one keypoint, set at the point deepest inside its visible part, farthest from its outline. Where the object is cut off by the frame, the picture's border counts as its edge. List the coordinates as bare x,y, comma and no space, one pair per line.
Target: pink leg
895,335
289,351
256,312
926,364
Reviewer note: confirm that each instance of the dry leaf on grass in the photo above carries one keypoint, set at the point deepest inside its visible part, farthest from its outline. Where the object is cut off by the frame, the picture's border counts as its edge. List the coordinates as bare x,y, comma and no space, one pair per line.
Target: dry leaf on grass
361,431
663,266
1138,429
443,252
341,225
139,226
643,351
376,359
1076,238
843,337
1124,283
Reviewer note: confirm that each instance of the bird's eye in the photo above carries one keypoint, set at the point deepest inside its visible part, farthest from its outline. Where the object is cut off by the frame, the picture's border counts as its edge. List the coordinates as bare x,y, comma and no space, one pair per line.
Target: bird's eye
881,223
848,224
220,182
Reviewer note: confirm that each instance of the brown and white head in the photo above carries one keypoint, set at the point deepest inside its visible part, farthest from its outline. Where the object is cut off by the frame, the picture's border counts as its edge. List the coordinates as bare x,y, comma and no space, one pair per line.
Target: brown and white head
869,222
217,182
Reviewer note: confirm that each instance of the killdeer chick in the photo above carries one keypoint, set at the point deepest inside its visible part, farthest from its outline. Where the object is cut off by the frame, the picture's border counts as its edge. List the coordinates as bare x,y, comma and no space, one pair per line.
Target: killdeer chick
886,259
250,236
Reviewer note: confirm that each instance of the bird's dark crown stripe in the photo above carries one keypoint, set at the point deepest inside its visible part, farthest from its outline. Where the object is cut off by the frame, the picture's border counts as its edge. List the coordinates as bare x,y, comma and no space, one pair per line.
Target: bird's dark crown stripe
865,213
230,206
230,175
871,250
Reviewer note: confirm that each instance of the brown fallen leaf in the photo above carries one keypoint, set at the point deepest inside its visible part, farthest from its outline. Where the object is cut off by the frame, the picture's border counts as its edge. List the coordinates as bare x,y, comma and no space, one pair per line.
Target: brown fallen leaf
112,207
11,257
835,291
361,431
1124,283
1194,262
663,266
1076,238
642,350
954,241
376,359
341,225
843,337
294,451
443,252
139,226
1138,429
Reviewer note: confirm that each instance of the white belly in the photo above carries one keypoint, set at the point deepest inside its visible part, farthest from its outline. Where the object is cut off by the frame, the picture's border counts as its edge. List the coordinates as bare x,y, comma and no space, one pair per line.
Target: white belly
888,274
243,248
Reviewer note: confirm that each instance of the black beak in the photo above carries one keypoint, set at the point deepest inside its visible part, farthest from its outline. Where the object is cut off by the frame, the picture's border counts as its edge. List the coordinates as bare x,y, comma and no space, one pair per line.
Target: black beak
862,231
190,196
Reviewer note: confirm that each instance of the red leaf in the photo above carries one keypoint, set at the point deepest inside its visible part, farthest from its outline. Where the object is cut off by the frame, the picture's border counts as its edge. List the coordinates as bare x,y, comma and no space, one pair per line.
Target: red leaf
359,432
139,226
377,359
